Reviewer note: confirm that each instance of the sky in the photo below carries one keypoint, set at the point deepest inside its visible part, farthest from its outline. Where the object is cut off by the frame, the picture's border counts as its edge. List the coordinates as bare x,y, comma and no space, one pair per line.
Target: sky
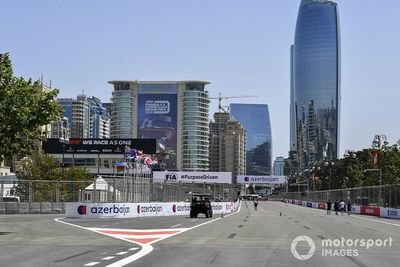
241,47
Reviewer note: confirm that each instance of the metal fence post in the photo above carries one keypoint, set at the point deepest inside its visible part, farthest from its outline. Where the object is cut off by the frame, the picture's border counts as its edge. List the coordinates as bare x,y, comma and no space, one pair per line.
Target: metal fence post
57,192
30,196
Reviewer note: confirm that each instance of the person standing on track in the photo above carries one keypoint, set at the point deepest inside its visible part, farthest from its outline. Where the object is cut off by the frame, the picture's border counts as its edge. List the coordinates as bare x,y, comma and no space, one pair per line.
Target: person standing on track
255,203
348,207
342,206
336,207
328,207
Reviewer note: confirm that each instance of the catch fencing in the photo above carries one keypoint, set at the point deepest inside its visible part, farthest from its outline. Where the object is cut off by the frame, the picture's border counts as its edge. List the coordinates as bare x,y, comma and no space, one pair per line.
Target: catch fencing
49,196
382,196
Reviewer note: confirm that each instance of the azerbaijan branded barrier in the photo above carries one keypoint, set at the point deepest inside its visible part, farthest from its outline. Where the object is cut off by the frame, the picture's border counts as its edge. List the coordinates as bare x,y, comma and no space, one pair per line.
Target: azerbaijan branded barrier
132,210
364,210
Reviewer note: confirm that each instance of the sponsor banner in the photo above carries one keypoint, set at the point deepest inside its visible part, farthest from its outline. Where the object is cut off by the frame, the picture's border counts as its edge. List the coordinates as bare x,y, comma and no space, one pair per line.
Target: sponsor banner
157,118
309,204
299,202
373,211
315,205
132,210
258,179
321,206
390,213
98,146
355,209
195,177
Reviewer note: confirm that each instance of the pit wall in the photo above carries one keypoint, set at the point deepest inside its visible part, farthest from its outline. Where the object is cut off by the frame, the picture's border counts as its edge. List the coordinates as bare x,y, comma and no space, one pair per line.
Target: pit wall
132,210
364,210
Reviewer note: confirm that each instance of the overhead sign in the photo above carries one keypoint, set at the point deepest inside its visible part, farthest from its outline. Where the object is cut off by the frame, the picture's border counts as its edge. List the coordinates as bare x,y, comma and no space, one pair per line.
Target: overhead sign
258,179
98,146
195,177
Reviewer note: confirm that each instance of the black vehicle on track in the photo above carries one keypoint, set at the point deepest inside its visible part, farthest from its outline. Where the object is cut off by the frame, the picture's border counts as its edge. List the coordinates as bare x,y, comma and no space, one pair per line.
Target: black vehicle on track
201,204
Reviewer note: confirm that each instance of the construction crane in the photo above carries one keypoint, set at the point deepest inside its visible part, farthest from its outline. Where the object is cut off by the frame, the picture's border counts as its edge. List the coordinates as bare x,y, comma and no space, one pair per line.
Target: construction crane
220,97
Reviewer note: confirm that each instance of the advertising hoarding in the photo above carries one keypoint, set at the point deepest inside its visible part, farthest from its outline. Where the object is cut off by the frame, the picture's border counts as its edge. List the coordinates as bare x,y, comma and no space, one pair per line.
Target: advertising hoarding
98,146
260,179
157,119
132,210
195,177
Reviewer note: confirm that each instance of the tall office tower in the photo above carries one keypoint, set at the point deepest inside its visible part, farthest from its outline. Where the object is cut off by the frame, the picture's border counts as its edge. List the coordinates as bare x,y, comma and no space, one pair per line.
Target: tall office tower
227,145
279,165
99,119
255,119
315,74
173,112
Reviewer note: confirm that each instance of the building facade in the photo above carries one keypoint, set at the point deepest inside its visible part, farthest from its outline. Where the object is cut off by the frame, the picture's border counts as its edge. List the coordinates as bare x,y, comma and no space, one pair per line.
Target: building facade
279,166
173,112
315,82
255,119
87,117
60,128
227,145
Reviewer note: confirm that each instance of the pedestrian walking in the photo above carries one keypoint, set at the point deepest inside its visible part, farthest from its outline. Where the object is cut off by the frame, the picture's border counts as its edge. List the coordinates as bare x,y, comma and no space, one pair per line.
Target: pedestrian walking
328,207
348,207
336,207
342,206
255,203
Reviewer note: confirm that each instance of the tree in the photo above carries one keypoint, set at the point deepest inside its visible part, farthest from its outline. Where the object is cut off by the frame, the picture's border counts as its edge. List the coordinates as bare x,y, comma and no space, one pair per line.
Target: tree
42,179
22,111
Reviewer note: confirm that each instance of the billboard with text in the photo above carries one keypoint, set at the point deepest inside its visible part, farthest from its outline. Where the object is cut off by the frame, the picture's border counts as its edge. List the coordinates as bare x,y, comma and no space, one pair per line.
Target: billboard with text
157,118
261,179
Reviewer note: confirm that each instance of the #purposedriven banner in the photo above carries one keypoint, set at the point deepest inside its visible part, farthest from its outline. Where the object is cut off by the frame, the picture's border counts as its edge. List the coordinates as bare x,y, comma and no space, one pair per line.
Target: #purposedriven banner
257,179
195,177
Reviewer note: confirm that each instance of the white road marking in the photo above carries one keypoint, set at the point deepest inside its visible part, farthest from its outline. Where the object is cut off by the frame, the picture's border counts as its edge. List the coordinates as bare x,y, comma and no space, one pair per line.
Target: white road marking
91,263
176,225
133,248
194,220
146,248
122,253
108,258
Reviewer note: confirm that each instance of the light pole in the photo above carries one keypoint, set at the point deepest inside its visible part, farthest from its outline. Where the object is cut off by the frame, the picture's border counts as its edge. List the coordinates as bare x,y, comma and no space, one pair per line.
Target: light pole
329,164
63,140
313,170
379,144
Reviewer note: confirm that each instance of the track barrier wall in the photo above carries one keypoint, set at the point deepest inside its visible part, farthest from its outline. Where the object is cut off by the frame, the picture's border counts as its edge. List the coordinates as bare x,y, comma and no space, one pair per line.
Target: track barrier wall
363,210
133,210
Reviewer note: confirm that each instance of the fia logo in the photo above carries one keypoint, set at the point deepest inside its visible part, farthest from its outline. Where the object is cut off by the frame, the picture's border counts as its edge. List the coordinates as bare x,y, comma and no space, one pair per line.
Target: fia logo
170,176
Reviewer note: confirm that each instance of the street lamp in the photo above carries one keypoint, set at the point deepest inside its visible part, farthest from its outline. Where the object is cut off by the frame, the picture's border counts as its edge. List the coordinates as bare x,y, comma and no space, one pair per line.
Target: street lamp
329,164
378,144
63,140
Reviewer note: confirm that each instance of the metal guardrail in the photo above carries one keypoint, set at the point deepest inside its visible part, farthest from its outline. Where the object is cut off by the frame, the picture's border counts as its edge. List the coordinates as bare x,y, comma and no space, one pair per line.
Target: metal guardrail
383,196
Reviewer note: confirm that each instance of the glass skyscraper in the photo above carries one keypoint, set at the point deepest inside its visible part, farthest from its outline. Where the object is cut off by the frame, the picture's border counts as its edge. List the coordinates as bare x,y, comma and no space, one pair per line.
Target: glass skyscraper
255,120
315,83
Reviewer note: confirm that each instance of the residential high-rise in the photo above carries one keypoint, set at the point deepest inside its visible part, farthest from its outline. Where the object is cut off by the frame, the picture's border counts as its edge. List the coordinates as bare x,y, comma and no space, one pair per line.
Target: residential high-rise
227,145
87,117
315,82
173,112
60,128
279,165
255,119
99,119
80,127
